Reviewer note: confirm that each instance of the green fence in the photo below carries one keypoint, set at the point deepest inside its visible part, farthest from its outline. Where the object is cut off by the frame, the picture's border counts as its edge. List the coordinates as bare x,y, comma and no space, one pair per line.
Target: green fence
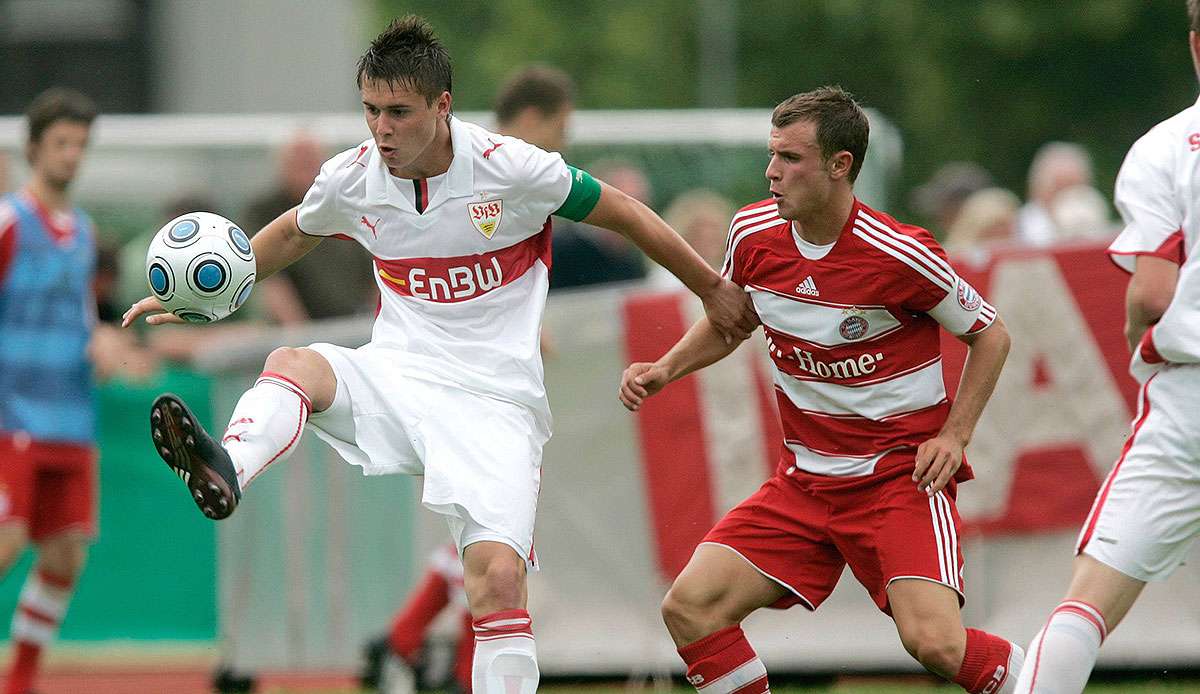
152,572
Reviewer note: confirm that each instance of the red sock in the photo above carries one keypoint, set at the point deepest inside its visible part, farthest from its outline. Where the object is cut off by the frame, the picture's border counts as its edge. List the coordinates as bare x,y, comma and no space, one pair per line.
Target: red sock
411,622
24,667
985,662
724,663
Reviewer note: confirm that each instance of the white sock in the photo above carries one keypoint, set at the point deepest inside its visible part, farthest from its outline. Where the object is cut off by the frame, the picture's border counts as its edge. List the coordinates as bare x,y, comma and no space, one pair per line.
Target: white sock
505,655
266,425
40,607
1060,658
1016,660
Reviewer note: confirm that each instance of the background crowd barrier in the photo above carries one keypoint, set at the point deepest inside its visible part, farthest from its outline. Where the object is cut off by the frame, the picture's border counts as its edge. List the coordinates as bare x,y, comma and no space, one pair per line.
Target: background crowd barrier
318,557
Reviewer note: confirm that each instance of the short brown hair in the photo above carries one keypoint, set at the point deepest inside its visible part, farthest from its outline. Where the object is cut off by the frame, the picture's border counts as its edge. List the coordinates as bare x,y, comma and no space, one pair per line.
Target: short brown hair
841,123
408,54
1193,9
55,104
545,88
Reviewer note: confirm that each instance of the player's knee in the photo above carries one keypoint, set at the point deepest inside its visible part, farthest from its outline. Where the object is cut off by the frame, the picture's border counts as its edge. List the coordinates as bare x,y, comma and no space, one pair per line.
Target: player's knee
63,556
500,586
688,608
292,362
937,648
13,539
307,369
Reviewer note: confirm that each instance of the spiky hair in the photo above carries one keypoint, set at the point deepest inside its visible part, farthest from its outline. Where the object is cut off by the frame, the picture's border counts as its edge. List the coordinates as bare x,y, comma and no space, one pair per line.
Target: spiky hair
408,54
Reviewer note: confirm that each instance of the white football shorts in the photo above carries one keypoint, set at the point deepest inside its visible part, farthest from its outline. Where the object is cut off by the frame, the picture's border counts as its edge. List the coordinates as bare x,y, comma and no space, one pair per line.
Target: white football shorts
1147,512
481,456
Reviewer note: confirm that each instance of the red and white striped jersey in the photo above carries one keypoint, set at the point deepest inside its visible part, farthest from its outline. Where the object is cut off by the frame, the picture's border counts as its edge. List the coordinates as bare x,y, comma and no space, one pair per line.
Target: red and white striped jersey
852,330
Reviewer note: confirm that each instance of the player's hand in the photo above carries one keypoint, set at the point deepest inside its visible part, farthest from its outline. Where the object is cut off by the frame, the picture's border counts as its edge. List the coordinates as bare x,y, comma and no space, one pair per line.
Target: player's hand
730,311
640,381
937,461
155,313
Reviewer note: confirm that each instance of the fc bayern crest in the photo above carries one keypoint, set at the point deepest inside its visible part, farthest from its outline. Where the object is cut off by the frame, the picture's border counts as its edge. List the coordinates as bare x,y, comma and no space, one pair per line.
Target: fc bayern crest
854,327
485,216
968,298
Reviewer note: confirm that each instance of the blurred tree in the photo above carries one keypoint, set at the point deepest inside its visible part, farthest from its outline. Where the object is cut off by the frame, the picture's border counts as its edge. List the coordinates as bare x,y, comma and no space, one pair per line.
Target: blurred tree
962,79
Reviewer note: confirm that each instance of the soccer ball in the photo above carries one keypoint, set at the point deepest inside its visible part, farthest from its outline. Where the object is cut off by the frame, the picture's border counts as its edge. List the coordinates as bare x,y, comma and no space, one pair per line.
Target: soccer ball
200,267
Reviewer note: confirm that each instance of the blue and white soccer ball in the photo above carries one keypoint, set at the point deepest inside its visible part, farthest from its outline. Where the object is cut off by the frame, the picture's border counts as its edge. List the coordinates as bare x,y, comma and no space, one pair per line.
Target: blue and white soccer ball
200,267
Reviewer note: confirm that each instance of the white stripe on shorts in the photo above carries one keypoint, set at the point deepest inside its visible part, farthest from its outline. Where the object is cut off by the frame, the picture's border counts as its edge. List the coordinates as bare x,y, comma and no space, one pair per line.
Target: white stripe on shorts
946,538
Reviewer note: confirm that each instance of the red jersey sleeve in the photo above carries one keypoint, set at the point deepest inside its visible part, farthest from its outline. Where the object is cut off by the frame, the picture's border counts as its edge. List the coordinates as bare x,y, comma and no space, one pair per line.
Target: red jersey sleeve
929,283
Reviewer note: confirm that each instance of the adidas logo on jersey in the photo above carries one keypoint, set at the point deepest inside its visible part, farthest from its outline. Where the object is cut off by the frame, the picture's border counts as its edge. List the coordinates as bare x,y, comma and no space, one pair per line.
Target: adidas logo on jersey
808,287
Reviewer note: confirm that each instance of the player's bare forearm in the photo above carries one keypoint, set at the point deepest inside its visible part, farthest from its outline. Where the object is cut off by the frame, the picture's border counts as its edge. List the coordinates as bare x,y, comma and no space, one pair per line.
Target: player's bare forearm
1150,291
725,304
701,346
939,458
279,244
986,353
633,220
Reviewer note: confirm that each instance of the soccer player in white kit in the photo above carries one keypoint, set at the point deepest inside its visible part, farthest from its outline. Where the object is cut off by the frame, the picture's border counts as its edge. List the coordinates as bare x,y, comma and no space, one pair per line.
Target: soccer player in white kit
1147,512
450,385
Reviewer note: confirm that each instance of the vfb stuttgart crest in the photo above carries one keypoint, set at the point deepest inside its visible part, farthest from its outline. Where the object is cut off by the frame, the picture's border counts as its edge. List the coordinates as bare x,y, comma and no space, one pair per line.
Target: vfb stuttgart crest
854,326
485,216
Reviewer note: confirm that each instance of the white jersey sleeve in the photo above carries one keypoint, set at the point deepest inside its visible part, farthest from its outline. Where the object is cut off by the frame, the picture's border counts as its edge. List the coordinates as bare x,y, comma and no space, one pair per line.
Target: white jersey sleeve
1148,202
545,176
318,214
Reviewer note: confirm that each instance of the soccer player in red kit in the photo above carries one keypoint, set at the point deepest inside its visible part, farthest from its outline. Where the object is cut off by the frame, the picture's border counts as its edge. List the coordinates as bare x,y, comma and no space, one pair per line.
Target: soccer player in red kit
850,301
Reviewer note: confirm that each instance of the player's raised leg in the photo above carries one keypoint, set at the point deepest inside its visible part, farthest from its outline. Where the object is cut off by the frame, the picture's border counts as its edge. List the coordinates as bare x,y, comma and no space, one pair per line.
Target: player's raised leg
505,659
930,626
703,612
1063,653
265,427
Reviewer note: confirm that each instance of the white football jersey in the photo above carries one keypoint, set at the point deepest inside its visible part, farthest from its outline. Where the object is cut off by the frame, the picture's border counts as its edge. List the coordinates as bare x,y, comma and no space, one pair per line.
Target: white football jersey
463,279
1158,196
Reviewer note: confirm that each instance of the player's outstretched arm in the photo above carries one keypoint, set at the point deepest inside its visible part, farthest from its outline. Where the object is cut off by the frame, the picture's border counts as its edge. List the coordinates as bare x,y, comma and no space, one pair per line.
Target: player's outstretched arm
278,245
725,304
701,346
940,457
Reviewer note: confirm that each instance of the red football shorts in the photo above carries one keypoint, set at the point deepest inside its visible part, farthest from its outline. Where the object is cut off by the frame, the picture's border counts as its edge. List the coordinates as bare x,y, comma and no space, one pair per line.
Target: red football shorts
48,487
801,530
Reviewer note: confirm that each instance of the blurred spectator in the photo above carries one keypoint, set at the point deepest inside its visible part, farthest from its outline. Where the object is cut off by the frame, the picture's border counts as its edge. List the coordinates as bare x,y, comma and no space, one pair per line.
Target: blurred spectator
941,197
1056,167
986,218
3,172
535,105
338,281
1081,212
702,217
586,255
48,455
